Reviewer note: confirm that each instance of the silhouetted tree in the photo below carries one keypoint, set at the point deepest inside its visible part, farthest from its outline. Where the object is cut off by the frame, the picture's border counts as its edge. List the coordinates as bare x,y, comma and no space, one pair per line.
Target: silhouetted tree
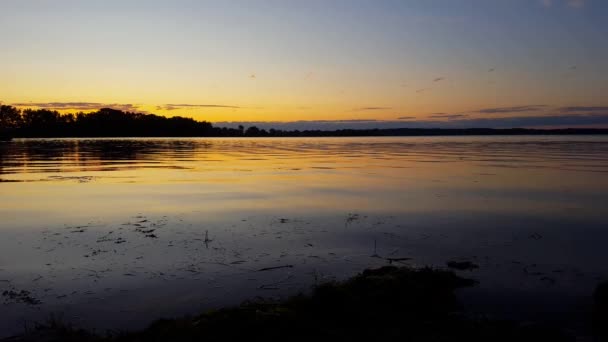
42,122
10,117
252,131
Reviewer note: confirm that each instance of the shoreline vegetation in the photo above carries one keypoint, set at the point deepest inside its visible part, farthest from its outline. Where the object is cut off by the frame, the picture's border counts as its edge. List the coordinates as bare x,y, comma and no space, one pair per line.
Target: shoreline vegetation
389,303
107,122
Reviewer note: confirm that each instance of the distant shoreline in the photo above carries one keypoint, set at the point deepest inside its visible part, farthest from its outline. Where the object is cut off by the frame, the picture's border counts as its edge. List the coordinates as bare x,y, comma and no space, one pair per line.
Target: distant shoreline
392,132
112,123
398,132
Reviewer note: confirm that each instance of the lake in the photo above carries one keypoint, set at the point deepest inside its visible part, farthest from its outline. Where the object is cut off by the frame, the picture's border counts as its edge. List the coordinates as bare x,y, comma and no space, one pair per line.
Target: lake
114,233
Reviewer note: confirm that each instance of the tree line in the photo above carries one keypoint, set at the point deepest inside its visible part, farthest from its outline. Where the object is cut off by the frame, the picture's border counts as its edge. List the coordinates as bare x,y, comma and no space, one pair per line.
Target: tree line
107,122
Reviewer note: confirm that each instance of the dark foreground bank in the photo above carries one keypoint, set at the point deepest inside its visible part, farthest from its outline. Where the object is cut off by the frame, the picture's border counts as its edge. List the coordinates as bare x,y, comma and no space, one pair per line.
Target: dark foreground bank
383,304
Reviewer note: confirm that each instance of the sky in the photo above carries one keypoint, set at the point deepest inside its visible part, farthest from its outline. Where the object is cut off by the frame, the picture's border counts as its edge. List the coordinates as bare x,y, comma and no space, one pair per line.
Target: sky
314,63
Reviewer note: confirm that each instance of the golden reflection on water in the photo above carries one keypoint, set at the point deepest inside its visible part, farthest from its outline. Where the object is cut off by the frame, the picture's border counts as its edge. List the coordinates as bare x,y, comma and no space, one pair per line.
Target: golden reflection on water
68,177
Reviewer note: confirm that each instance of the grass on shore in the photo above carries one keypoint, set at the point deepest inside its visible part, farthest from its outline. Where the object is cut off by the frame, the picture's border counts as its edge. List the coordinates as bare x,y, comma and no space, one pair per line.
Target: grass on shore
389,303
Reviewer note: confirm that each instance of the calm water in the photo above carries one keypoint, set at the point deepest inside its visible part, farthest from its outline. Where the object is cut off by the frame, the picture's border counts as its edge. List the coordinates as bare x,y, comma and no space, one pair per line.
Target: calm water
112,233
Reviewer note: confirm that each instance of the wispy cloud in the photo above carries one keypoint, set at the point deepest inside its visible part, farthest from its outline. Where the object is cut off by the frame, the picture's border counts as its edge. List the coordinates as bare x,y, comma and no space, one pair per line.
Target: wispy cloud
536,109
546,3
345,120
569,3
576,3
371,108
447,116
514,109
564,120
586,109
406,118
439,79
187,105
128,107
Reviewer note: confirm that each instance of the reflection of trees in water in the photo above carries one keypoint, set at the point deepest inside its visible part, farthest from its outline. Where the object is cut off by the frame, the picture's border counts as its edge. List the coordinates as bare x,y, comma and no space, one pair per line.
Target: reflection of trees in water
64,155
53,155
134,149
3,153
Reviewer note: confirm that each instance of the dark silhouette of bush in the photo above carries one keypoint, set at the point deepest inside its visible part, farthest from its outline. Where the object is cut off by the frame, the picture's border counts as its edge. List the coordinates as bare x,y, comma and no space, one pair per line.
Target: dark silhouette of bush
600,311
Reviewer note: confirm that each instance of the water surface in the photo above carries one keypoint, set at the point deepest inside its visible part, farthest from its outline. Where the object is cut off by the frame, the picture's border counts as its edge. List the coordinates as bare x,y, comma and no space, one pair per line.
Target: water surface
112,233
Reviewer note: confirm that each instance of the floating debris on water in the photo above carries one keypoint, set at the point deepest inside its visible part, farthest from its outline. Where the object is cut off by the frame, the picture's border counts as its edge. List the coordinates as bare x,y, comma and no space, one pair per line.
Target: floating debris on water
350,218
22,296
391,260
274,268
462,265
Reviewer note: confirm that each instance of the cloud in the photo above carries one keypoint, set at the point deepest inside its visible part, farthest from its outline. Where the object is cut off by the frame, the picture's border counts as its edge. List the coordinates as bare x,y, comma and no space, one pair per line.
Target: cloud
576,3
127,107
406,118
371,108
491,70
347,120
569,3
187,105
529,109
422,90
564,120
447,116
439,79
497,110
587,109
515,109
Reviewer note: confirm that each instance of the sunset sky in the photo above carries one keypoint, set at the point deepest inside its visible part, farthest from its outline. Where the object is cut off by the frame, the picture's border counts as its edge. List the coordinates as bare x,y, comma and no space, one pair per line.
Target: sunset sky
330,63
